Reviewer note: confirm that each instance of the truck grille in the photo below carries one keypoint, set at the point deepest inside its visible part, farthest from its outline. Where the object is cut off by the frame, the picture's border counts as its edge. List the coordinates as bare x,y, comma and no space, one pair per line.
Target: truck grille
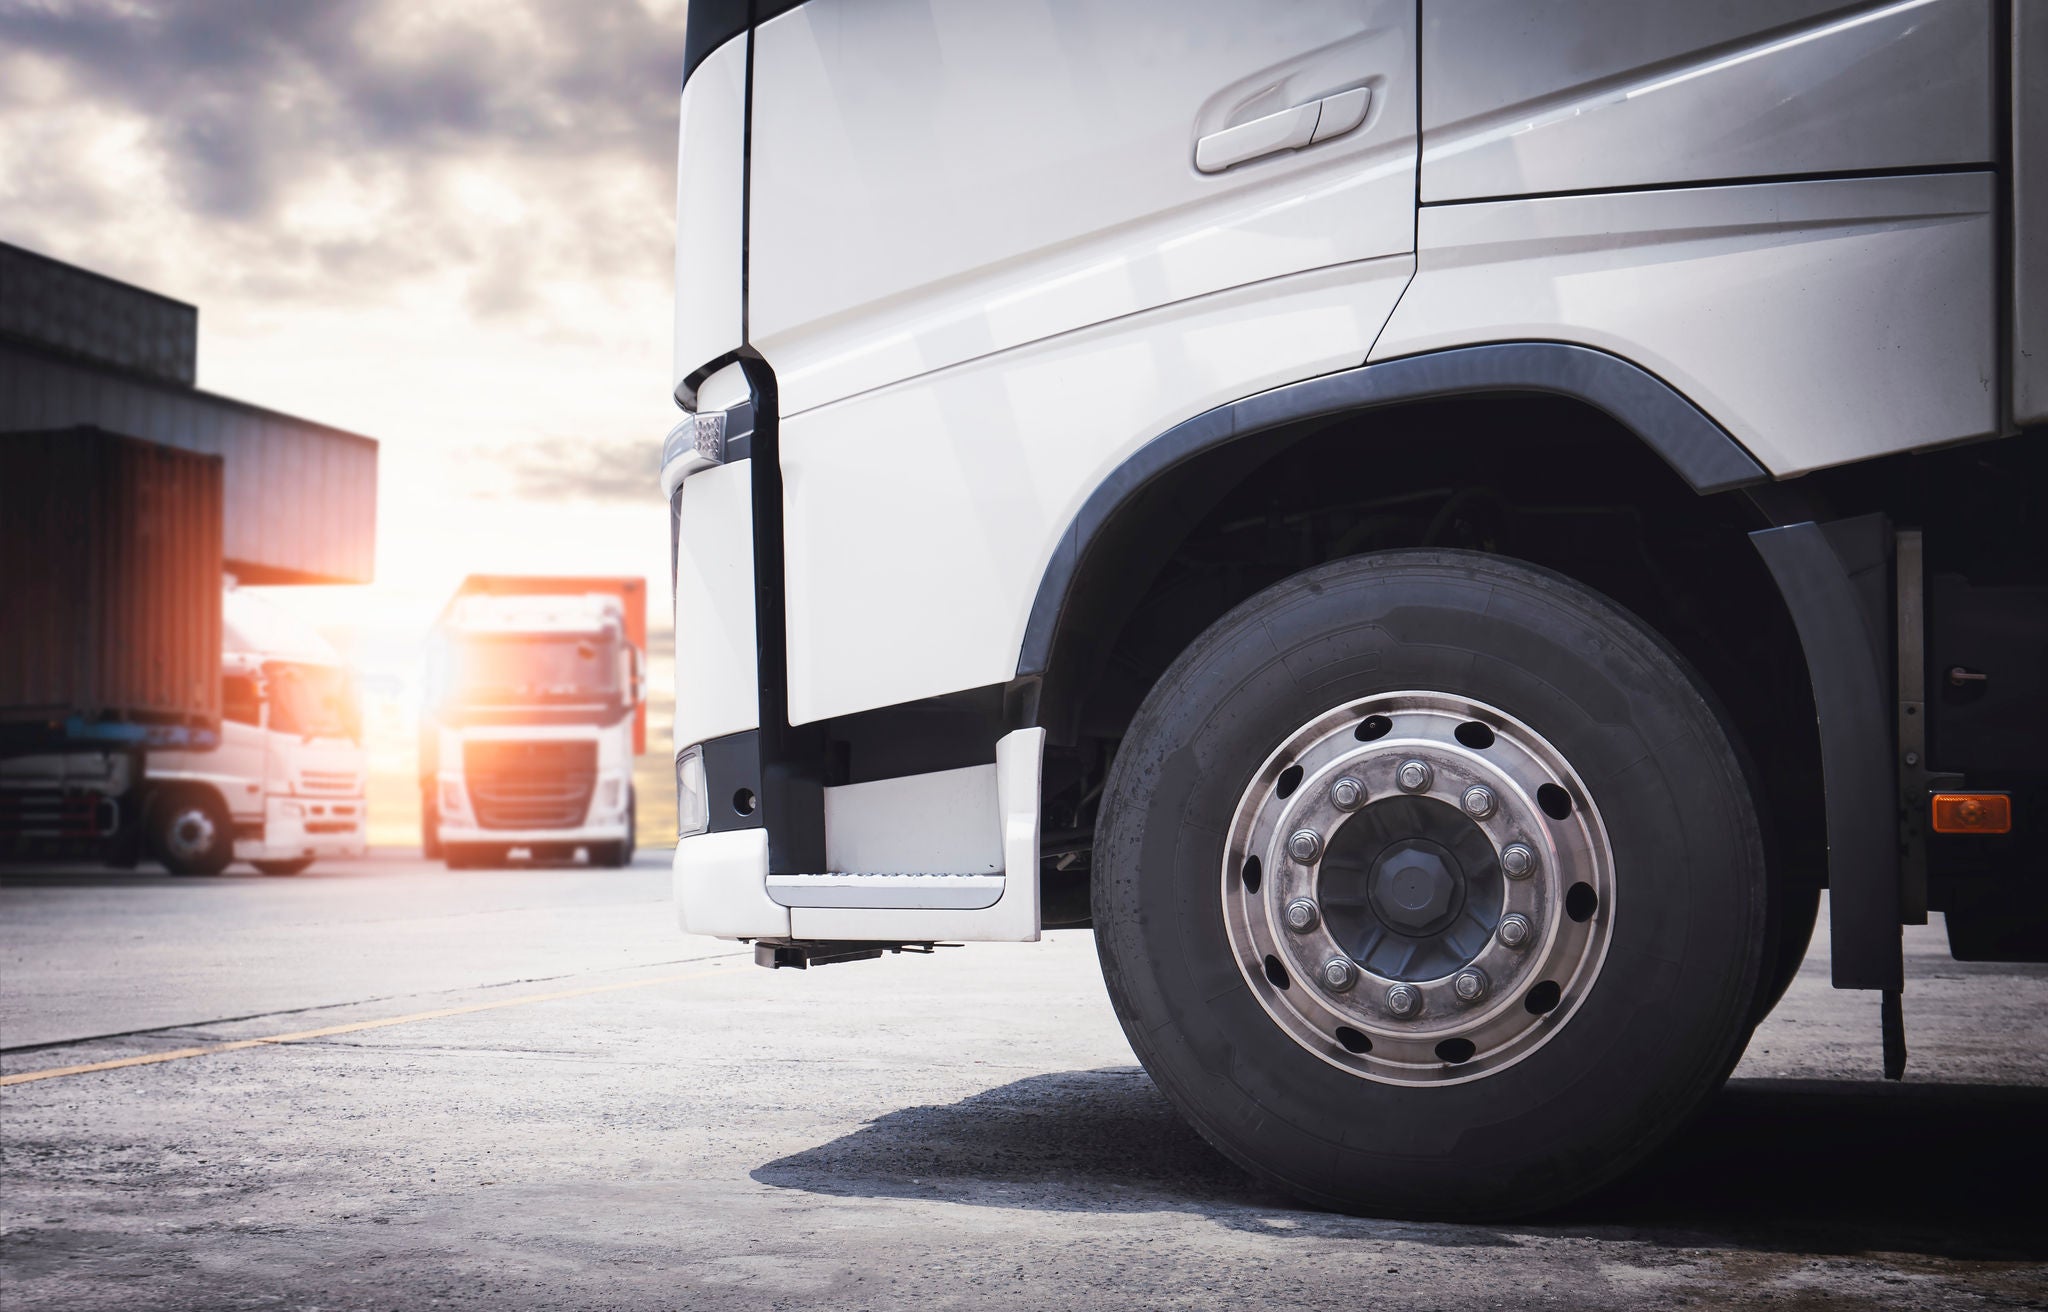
530,785
340,783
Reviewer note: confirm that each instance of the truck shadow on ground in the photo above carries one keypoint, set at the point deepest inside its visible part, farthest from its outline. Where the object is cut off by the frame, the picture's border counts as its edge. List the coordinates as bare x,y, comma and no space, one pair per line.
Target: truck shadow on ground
1777,1165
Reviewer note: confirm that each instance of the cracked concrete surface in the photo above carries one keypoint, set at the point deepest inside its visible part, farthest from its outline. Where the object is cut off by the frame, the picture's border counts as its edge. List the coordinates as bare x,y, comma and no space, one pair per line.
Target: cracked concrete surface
964,1129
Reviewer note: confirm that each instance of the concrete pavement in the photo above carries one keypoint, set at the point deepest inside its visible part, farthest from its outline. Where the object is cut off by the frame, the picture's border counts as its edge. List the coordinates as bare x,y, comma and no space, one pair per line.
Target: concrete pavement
964,1129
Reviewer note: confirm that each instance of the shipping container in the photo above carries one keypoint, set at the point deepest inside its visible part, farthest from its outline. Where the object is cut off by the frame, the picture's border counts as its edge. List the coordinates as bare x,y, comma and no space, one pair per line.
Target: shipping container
110,596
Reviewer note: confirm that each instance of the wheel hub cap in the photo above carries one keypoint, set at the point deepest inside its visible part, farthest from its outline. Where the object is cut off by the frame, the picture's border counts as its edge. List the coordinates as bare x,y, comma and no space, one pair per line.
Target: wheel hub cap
1382,861
191,834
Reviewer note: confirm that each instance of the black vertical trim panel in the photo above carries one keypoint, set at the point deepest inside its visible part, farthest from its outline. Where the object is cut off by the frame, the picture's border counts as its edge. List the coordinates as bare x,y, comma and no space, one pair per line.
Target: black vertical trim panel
792,759
709,25
746,188
1835,582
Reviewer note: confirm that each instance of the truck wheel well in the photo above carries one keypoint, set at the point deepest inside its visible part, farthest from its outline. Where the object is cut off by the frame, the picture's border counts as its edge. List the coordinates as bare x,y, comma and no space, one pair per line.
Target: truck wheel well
162,795
1546,479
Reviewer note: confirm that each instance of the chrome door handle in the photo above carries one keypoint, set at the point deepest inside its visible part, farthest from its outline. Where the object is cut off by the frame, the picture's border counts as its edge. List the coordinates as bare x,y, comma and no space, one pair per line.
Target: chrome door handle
1290,129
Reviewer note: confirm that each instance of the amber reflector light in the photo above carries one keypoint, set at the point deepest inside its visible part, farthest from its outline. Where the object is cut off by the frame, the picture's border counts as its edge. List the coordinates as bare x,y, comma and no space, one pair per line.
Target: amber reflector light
1972,813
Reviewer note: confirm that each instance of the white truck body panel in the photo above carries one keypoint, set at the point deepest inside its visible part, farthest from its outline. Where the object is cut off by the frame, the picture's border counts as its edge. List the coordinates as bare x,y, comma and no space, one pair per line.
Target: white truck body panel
968,540
1519,103
953,179
1782,309
710,195
716,662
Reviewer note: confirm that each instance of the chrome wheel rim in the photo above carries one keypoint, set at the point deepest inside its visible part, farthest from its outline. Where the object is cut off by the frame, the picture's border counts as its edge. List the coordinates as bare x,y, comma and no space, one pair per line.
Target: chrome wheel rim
191,834
1418,888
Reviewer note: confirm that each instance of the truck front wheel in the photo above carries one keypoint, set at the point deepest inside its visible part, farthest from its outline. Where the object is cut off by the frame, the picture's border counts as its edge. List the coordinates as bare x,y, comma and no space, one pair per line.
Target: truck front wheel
619,855
190,832
430,824
1429,883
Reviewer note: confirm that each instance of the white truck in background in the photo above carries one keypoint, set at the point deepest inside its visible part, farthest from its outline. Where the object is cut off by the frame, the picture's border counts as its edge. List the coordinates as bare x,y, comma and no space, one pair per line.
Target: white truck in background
286,785
534,713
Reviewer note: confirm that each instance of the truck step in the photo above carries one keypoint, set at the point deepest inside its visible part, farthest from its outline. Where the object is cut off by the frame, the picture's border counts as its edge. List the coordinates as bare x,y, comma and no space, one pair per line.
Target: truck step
926,892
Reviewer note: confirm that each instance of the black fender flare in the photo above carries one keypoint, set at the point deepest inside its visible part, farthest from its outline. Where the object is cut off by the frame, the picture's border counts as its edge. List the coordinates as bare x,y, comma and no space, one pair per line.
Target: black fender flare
1843,655
1700,450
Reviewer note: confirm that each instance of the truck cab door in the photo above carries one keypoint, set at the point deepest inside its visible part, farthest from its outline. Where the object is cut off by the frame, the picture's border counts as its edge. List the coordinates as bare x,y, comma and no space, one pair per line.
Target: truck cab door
242,759
994,248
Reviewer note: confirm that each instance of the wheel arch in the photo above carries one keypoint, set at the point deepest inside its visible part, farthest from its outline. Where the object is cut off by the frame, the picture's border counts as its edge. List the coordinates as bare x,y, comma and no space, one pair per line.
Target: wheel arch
1157,491
1657,452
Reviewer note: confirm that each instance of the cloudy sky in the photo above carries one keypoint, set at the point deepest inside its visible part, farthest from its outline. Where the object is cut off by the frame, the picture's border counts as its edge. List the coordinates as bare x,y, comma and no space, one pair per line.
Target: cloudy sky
445,224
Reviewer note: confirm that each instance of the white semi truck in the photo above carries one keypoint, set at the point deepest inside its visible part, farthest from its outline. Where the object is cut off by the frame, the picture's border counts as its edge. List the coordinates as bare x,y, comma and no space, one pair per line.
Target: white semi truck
1437,527
535,711
288,783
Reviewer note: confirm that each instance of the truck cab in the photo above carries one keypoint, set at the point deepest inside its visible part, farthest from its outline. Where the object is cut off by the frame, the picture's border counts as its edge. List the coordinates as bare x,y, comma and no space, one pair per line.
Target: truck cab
1437,528
287,784
531,727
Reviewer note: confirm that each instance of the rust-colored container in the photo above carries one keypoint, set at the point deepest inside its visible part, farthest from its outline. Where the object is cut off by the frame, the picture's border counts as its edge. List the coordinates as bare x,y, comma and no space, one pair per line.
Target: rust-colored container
110,574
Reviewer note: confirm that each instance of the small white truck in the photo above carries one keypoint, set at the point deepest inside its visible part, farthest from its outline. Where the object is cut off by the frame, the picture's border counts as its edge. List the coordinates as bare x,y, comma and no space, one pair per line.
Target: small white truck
532,721
286,785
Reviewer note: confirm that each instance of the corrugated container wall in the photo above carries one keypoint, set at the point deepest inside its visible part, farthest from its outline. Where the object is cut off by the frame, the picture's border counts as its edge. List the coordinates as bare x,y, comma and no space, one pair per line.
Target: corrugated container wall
84,314
110,566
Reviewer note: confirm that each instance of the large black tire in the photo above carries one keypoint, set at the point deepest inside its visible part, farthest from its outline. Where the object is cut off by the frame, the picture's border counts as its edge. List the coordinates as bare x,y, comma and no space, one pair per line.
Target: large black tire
1658,1029
190,832
617,856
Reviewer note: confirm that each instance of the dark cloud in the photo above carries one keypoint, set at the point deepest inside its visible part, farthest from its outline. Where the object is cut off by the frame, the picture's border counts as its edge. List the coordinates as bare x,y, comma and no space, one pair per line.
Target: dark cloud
574,469
245,91
247,102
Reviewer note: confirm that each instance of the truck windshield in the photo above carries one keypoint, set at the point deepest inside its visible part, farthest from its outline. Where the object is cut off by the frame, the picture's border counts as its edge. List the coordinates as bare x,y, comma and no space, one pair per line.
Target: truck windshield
531,668
318,701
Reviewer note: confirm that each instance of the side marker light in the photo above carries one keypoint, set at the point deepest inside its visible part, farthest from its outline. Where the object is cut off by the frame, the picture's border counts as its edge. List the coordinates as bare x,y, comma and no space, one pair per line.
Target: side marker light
1972,813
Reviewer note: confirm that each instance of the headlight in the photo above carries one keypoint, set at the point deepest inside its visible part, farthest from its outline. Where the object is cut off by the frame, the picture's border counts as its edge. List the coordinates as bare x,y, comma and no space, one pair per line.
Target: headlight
693,793
452,801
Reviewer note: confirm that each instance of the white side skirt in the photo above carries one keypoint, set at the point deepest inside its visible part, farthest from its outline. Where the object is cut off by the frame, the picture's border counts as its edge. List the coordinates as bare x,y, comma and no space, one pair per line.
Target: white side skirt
941,818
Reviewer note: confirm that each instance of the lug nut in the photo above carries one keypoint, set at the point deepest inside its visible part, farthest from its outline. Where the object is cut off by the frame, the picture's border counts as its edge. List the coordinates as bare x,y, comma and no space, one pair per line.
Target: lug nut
1469,984
1414,776
1339,974
1514,930
1479,801
1347,794
1518,861
1305,846
1302,915
1403,1000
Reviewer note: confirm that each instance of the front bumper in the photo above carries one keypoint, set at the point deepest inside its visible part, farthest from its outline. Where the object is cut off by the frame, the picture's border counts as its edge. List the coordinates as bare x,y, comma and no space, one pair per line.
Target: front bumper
609,831
296,827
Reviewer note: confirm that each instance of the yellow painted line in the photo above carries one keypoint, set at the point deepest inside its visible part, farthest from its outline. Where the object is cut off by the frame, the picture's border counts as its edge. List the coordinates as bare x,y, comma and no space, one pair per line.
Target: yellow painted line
299,1036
